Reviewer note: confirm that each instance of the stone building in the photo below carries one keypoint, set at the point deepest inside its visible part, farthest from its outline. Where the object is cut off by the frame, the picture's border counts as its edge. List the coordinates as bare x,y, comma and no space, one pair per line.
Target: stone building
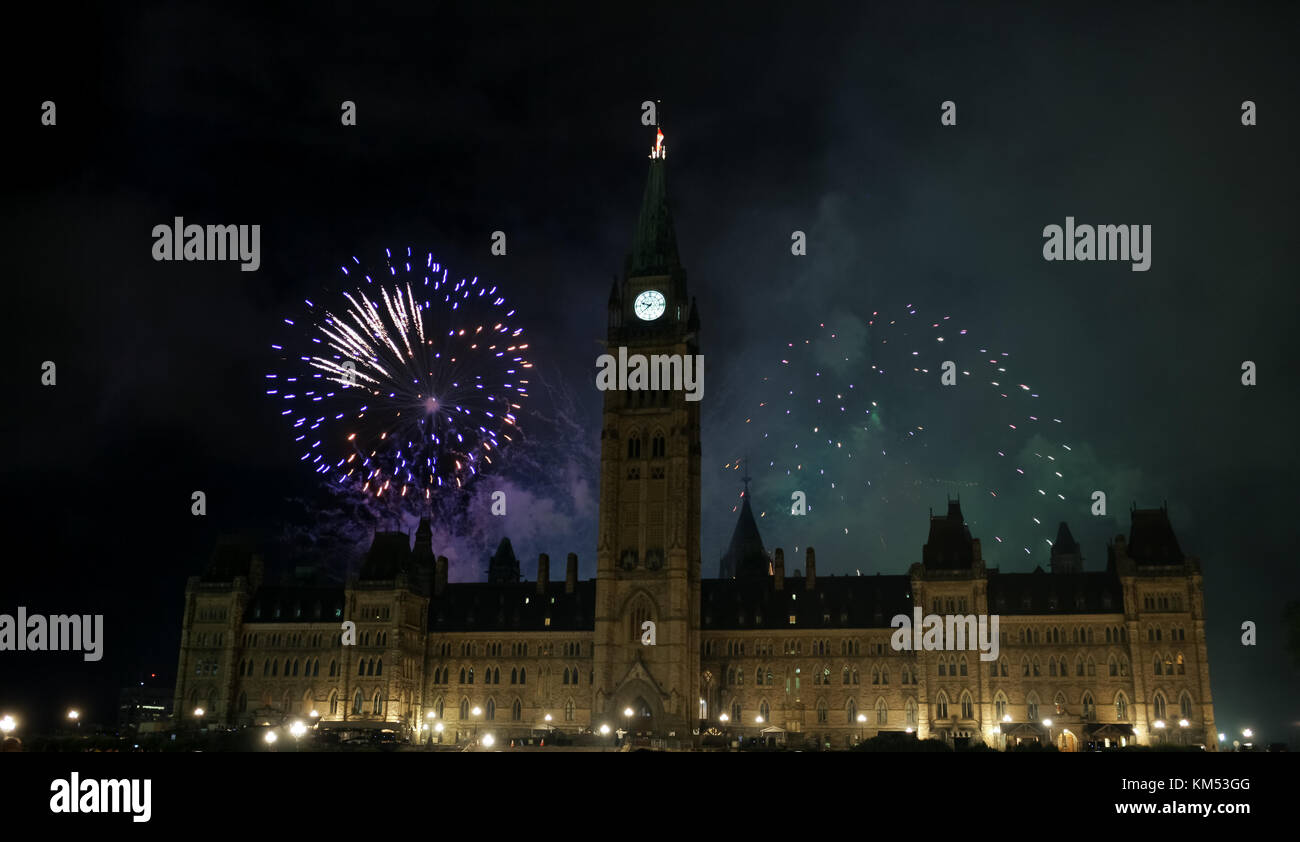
1085,657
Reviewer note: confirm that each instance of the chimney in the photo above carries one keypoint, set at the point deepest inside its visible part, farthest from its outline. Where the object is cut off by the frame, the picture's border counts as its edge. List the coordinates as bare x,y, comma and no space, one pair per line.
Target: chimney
571,573
811,581
440,575
778,569
543,572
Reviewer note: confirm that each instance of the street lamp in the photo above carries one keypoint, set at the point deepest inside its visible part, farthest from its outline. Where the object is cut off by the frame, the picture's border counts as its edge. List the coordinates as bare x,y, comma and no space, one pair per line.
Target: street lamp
270,739
1051,738
1247,733
489,740
297,729
627,714
7,725
604,732
476,713
862,718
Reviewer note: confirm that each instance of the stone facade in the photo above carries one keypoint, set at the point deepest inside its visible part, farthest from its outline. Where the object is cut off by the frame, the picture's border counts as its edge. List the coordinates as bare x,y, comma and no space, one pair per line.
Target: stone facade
1105,656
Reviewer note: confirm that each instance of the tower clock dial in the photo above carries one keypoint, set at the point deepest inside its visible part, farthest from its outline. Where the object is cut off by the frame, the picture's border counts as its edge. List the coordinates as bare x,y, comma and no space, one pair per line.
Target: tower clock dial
649,305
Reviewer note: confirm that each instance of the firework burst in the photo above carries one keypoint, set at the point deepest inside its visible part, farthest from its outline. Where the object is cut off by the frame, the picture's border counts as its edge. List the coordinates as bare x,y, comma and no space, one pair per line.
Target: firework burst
848,413
407,385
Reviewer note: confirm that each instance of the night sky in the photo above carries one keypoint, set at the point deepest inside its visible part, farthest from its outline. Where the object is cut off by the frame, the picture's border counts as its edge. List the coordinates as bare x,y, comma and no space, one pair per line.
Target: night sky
795,118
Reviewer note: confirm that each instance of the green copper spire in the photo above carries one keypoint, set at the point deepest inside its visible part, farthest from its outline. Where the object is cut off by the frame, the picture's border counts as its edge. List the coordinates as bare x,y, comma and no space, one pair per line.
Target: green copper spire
654,245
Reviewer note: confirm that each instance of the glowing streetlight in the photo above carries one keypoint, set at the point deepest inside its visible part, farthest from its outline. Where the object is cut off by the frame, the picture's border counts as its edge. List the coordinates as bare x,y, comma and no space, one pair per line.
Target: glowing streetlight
315,714
724,718
1222,736
198,713
270,738
758,720
547,717
1006,717
489,740
1247,733
862,718
8,724
1047,723
297,729
1183,723
1159,724
604,730
73,715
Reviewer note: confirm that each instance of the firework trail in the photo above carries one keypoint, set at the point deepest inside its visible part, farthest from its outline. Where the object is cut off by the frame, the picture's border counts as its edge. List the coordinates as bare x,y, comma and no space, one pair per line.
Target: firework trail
848,412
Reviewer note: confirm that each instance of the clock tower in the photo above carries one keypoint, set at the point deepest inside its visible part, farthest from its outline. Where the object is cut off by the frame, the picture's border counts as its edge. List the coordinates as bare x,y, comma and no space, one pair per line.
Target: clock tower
648,539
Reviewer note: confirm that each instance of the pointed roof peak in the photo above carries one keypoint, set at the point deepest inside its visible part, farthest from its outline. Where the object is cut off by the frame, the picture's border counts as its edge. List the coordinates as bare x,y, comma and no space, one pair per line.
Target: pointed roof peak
745,555
1065,543
654,243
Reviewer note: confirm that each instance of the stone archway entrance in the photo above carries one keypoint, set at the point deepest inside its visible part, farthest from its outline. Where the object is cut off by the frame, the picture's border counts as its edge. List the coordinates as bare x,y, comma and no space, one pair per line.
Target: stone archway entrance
1067,741
643,701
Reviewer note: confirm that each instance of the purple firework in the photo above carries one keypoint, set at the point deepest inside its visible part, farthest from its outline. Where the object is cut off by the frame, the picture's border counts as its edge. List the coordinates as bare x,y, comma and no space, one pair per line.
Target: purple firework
407,385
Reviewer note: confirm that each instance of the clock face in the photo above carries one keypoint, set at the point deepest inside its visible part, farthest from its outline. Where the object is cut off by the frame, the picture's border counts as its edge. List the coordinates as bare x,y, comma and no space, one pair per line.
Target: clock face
649,305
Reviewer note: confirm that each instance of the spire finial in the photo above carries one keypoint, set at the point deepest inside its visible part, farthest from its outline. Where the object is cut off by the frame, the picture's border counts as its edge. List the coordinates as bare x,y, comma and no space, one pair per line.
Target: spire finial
659,150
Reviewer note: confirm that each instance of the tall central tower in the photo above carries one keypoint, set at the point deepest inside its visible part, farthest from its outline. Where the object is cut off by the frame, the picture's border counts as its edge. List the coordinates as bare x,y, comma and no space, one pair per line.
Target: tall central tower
648,543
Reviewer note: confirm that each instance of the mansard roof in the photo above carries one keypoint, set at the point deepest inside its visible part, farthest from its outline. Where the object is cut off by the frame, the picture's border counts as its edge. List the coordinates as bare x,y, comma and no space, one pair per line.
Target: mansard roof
389,554
516,606
833,602
296,604
950,546
1151,538
231,557
1052,593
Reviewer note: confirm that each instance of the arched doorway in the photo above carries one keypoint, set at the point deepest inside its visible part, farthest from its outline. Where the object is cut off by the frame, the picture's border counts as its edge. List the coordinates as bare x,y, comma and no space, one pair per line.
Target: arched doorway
643,702
1067,741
